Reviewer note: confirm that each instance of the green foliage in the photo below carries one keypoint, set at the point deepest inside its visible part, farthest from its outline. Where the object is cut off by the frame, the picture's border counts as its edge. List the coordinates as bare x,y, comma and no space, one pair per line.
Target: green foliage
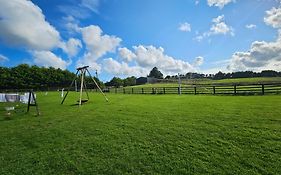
220,75
155,73
144,134
33,77
130,81
90,83
115,81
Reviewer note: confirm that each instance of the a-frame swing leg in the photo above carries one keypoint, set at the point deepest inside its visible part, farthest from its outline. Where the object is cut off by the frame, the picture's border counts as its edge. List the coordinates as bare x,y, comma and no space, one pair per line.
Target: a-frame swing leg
35,102
69,88
31,95
29,99
81,87
86,90
97,85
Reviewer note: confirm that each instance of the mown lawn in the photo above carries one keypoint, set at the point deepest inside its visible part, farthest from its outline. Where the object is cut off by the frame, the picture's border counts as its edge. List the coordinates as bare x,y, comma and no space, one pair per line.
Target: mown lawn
144,134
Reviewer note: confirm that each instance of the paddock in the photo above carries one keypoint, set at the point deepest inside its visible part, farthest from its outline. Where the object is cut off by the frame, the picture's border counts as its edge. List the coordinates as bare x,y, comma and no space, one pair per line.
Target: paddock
144,134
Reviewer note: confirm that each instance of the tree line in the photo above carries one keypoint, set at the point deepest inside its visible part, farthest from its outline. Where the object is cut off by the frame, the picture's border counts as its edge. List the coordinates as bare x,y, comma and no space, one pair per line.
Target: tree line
24,76
118,82
220,75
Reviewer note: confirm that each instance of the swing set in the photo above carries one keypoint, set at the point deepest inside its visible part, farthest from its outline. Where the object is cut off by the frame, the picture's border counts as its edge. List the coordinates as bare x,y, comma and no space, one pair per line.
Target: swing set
81,74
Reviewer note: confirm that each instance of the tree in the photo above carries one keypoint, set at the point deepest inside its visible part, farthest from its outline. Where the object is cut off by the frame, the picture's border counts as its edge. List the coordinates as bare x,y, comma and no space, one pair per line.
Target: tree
168,77
129,81
269,73
155,73
24,76
91,84
219,76
115,81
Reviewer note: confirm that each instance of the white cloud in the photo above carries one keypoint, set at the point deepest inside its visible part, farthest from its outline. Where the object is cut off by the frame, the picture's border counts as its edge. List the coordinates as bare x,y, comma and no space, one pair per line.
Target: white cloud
123,69
89,60
137,62
185,27
126,54
150,56
98,44
273,17
219,27
23,24
262,55
80,10
197,2
144,58
48,59
71,24
219,3
71,47
3,58
251,26
198,61
75,10
92,5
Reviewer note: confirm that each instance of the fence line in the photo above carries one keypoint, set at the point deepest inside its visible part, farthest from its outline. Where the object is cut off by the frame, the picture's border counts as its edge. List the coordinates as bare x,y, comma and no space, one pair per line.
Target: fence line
249,89
235,89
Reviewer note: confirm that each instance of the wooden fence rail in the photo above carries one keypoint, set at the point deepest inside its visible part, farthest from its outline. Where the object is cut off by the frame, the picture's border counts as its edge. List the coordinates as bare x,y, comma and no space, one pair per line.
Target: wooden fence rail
250,89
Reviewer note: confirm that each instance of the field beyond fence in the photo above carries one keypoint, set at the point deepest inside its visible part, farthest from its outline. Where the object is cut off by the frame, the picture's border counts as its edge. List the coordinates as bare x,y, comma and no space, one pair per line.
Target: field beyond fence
236,89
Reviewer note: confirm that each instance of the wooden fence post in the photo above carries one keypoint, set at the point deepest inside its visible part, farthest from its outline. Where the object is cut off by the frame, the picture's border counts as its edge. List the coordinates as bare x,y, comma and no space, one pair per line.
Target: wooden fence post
195,90
164,90
132,90
262,89
115,90
142,91
124,90
234,89
214,90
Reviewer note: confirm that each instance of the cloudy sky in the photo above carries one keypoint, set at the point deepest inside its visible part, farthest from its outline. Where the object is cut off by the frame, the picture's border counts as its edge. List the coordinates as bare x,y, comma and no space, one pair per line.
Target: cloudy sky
129,37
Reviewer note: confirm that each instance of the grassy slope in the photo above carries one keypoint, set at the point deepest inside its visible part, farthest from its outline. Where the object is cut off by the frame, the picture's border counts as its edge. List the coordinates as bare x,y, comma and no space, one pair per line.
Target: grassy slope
208,81
145,134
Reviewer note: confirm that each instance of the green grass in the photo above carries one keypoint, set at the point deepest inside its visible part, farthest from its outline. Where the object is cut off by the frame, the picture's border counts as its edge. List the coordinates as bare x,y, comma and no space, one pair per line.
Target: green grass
250,80
144,134
185,82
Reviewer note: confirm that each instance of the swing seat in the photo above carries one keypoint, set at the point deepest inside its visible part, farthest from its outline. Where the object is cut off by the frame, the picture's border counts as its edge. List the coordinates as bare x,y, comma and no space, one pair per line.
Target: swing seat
83,100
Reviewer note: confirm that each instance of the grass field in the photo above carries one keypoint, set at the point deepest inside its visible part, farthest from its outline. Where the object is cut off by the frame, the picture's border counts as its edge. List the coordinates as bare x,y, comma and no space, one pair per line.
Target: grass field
144,134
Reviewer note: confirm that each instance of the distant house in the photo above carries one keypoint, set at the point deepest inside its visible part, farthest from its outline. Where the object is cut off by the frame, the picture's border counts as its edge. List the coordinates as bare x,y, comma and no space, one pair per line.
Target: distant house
144,80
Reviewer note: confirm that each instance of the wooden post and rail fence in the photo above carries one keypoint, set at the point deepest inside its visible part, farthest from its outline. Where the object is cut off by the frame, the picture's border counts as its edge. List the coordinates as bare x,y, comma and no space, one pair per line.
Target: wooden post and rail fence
235,89
227,89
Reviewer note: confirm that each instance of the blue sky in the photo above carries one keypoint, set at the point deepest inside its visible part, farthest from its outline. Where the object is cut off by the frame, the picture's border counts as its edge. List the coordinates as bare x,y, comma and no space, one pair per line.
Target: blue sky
129,37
